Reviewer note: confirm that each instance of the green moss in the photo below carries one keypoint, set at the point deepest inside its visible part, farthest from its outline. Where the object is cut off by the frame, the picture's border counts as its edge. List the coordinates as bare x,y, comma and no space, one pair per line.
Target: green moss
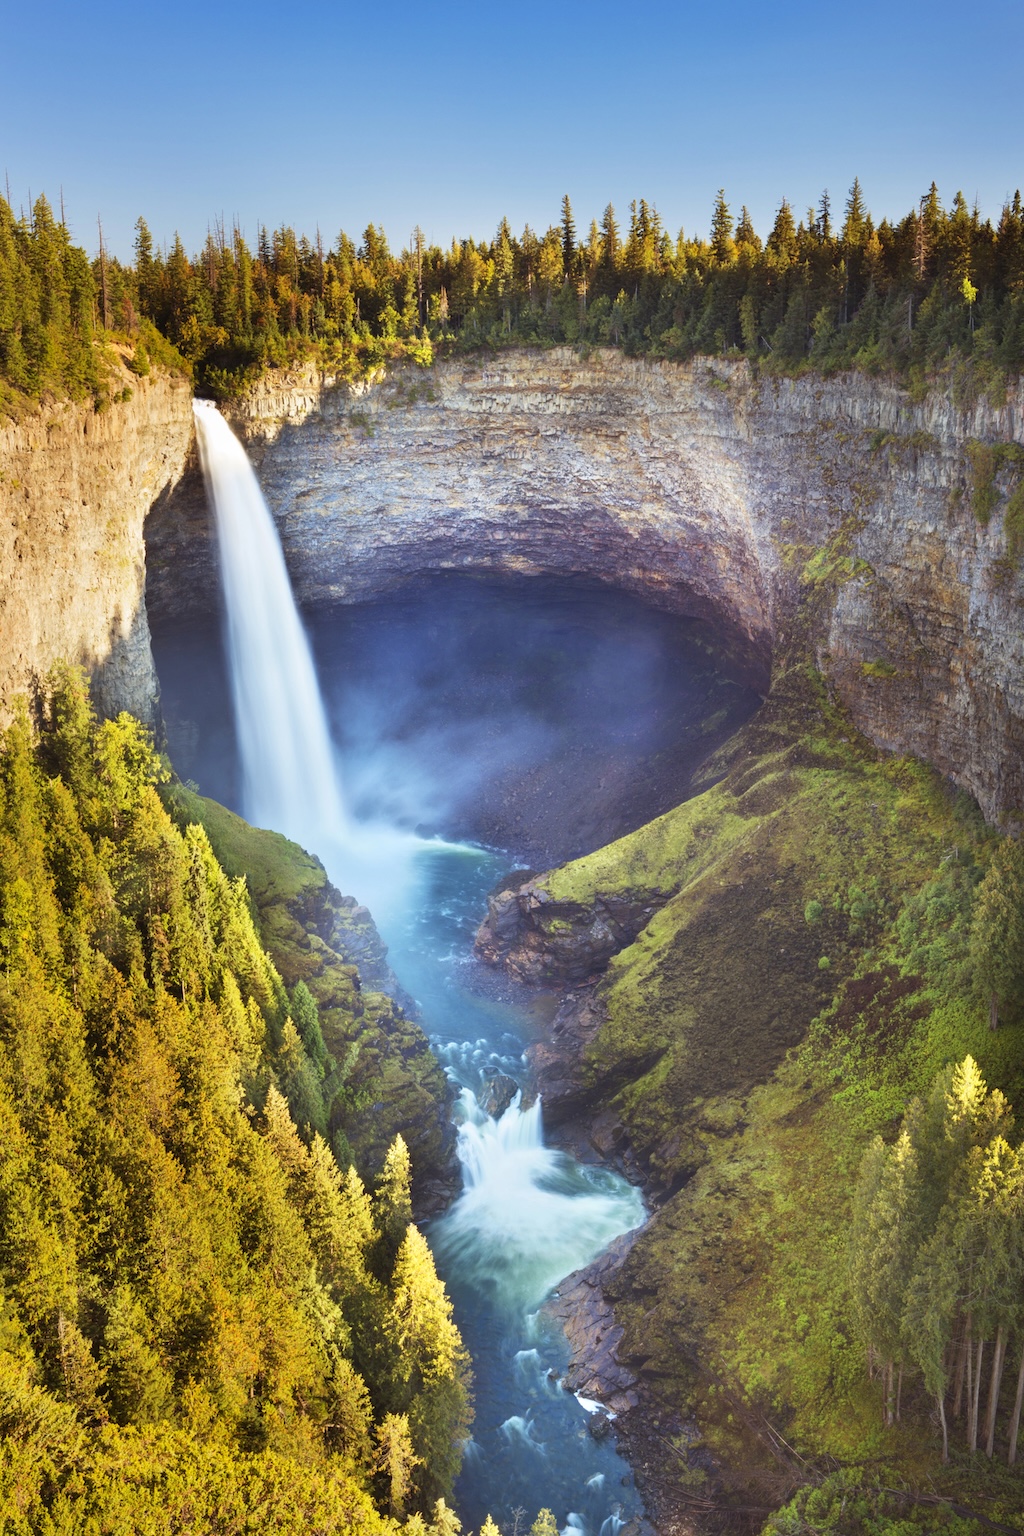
801,979
985,461
1013,524
878,669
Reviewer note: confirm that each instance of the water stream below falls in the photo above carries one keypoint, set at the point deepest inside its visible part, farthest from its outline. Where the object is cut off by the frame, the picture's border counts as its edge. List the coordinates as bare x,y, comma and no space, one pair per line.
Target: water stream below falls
527,1216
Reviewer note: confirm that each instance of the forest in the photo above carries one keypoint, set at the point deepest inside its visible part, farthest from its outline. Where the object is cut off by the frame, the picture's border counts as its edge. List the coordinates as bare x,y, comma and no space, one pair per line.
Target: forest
206,1320
939,291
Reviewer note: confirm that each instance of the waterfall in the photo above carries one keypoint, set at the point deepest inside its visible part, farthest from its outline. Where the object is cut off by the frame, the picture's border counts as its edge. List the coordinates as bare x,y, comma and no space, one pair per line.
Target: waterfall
290,780
527,1215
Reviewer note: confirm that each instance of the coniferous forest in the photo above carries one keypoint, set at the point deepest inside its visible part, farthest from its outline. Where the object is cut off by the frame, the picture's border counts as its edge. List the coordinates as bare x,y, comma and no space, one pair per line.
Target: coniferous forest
941,290
205,1317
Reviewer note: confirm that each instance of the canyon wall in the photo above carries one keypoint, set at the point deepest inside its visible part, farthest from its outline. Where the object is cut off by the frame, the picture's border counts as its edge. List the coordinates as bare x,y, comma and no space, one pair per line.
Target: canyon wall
75,488
712,493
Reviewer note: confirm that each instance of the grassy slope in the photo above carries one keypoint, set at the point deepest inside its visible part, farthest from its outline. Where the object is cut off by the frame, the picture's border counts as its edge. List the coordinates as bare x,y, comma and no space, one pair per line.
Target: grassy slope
751,1076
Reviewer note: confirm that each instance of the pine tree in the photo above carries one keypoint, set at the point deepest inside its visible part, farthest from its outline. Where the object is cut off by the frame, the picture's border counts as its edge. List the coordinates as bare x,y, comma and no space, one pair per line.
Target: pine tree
722,243
420,1318
568,236
393,1201
997,932
396,1460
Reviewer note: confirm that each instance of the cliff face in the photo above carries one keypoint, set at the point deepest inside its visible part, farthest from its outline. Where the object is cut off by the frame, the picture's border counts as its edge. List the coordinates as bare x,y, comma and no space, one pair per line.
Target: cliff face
693,484
75,488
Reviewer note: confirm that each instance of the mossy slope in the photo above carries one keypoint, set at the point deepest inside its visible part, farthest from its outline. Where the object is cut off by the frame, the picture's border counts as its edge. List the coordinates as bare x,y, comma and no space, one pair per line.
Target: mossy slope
802,977
384,1078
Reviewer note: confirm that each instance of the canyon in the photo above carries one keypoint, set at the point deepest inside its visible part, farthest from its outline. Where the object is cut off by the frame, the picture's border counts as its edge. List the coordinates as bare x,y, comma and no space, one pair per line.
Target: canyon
819,534
707,491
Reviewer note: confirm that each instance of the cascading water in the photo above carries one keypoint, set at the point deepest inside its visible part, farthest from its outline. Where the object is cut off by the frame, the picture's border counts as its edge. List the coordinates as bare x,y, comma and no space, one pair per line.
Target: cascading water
527,1215
289,778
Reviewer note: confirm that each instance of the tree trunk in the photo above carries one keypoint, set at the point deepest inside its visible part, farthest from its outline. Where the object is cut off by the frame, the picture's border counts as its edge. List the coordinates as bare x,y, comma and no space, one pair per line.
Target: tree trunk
972,1443
899,1392
945,1431
969,1375
887,1388
995,1383
1015,1421
961,1362
993,1011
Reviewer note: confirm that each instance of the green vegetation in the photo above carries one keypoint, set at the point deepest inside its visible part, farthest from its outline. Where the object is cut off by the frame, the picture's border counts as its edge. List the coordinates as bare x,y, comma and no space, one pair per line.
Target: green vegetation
937,1253
938,293
377,1076
830,927
47,310
887,298
205,1320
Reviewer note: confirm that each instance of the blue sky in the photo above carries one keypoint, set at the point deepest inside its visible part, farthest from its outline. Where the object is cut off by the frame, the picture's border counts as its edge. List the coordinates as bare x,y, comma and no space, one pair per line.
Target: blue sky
338,114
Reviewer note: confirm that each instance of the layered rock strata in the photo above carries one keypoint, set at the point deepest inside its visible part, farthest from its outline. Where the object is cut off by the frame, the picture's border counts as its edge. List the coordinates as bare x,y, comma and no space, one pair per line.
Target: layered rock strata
696,485
75,488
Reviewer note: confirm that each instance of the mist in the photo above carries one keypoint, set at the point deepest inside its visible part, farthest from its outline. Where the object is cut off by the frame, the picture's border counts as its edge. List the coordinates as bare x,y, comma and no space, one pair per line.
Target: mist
538,716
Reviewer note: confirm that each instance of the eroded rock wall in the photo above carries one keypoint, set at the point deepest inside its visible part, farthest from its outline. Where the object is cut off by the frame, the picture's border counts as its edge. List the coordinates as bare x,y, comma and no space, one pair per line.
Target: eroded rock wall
75,488
694,484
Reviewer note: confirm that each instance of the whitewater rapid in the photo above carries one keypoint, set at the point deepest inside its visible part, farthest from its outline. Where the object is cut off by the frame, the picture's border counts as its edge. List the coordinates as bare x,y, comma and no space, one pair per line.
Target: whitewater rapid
528,1215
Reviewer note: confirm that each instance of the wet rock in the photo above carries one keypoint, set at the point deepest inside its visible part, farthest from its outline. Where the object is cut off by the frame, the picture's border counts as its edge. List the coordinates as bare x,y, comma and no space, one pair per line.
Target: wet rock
599,1426
587,1316
500,1091
538,939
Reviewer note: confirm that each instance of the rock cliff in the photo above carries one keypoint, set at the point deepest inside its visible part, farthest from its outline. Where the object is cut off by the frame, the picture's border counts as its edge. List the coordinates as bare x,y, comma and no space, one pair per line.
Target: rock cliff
710,492
75,488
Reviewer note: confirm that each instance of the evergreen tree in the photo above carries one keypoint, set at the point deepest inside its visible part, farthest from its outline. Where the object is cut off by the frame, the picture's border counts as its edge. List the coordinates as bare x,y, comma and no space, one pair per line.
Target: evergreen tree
568,236
997,932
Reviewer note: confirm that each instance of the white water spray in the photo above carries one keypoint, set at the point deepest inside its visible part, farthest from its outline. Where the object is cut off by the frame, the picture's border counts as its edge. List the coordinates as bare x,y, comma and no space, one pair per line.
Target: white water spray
527,1215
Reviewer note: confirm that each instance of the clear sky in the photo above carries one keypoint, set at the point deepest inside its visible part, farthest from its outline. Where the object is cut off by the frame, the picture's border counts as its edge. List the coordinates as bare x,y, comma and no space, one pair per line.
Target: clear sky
336,113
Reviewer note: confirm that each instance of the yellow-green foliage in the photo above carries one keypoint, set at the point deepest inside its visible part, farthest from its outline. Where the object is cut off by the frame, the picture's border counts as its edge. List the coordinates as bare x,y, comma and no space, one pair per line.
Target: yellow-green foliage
986,460
175,1259
379,1075
728,974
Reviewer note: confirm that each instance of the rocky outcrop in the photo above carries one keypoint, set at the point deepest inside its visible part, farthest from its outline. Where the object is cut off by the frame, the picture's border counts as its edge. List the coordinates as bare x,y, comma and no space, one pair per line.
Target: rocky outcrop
708,491
586,1312
75,488
540,939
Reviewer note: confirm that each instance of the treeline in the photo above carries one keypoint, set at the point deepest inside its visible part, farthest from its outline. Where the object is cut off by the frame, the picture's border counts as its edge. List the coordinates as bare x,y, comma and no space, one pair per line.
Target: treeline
47,308
827,291
199,1309
937,1258
817,292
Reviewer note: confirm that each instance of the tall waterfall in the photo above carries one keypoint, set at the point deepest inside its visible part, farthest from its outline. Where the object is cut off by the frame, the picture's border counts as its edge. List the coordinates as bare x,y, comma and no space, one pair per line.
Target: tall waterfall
290,781
528,1215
